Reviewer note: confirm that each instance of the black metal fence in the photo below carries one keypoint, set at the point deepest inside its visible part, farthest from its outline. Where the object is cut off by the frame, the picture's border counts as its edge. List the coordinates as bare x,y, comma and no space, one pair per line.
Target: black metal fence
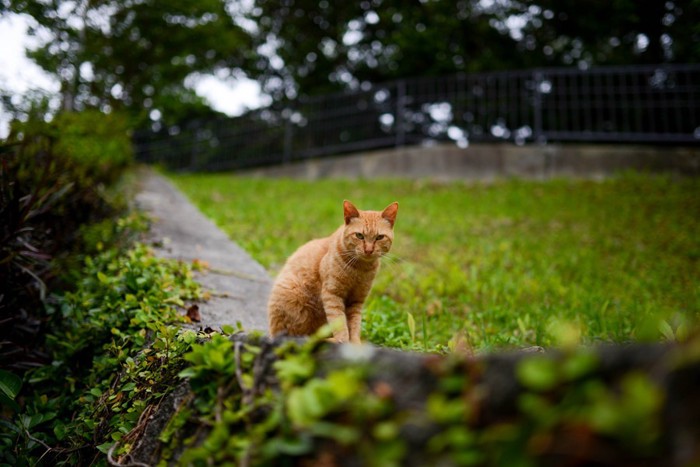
633,104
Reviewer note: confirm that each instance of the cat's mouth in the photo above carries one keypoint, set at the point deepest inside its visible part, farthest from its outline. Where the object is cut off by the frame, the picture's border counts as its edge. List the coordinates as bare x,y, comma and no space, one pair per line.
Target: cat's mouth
368,255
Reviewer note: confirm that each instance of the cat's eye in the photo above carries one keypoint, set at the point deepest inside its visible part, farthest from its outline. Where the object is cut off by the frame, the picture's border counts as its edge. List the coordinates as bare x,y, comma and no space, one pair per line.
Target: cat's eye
379,237
360,236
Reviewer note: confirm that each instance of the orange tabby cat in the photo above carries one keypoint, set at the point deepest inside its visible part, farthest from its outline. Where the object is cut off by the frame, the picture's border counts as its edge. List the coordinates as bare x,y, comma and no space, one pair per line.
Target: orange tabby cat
327,280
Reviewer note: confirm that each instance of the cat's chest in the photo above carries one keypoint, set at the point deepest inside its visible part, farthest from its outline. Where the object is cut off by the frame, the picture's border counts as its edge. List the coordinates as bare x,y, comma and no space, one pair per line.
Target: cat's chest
347,281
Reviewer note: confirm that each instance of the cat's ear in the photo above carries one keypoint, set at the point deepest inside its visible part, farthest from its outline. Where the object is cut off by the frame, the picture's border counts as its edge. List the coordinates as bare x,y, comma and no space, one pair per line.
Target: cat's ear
389,213
349,211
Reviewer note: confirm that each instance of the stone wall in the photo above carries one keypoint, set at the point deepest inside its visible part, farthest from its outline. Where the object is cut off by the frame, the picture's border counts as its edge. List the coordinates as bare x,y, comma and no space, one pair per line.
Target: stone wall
490,161
610,405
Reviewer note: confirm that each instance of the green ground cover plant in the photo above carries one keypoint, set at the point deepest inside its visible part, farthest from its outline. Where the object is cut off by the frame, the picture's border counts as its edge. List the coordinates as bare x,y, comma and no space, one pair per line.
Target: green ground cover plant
252,401
115,351
510,263
89,319
56,178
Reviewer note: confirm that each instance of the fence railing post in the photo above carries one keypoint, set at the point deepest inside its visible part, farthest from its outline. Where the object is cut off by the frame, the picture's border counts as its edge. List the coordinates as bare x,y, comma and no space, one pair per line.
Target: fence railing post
537,78
288,139
194,146
645,103
400,102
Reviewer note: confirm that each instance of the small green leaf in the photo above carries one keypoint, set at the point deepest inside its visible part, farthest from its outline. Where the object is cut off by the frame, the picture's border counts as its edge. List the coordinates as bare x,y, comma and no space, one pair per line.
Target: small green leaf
187,373
33,420
295,368
444,410
291,447
579,364
105,447
538,373
60,431
308,403
102,277
385,431
641,393
411,326
345,435
666,330
10,384
188,336
521,325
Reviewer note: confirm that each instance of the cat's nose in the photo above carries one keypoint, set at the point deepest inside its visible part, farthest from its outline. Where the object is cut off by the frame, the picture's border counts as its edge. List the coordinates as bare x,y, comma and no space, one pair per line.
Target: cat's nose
369,250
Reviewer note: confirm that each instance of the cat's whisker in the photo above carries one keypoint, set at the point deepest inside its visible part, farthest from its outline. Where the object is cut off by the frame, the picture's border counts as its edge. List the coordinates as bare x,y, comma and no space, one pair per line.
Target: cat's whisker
394,263
348,262
393,258
353,261
350,259
391,261
393,267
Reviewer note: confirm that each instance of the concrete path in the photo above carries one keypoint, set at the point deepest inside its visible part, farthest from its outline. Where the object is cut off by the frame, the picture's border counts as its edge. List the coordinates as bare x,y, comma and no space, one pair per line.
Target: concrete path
238,285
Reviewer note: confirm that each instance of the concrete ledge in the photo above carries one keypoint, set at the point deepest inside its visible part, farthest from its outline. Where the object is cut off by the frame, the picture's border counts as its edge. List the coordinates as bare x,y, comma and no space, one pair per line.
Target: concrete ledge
490,161
239,286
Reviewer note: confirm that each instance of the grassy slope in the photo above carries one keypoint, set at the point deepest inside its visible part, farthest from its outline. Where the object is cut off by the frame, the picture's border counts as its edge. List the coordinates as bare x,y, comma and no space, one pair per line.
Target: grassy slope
511,263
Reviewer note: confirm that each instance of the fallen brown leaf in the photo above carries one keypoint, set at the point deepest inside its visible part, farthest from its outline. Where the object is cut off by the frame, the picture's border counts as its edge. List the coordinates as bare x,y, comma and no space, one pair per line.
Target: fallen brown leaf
193,313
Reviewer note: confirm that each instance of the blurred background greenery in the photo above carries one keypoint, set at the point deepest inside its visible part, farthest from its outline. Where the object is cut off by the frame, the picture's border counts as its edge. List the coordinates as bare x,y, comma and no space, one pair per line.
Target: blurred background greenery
145,57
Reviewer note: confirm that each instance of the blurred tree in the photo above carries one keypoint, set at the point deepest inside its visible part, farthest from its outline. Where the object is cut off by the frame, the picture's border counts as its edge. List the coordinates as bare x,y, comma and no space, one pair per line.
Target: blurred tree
135,55
611,32
311,47
139,54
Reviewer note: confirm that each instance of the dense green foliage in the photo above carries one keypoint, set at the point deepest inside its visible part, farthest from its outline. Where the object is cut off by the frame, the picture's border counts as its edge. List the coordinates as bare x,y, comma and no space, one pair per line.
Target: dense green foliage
512,263
84,344
114,350
338,45
330,46
144,56
55,178
134,56
256,402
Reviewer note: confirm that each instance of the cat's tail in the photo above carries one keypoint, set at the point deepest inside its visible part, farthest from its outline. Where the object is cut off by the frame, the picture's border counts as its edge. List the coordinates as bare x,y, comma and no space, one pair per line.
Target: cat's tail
275,316
275,327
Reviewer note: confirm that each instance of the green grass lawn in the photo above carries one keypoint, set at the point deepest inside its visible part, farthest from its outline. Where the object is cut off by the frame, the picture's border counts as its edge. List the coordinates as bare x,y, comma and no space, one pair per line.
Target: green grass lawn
512,263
